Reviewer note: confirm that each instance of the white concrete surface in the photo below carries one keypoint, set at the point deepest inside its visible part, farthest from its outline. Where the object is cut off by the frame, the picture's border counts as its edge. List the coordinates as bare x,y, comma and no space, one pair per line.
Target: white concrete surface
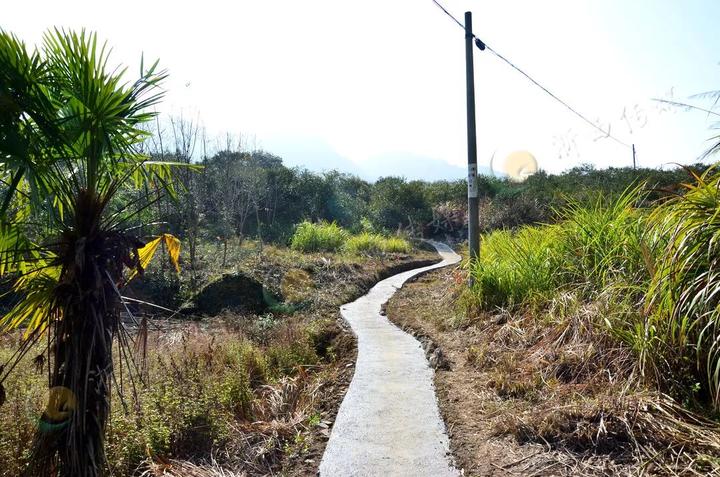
388,423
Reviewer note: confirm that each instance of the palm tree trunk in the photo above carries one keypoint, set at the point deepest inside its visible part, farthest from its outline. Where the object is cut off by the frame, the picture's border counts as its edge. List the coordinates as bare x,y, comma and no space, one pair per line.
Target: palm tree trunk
70,436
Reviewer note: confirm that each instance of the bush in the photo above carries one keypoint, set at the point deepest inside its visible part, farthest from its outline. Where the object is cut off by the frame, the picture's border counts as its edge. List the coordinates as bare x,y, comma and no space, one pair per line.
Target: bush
364,243
593,247
319,237
396,244
656,270
396,203
370,243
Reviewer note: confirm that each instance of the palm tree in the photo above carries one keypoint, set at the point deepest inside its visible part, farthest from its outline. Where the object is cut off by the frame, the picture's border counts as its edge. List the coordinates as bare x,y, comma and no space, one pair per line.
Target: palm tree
69,134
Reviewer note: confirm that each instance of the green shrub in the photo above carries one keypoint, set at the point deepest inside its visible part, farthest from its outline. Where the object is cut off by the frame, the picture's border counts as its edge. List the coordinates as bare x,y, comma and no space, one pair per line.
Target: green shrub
369,243
367,226
513,267
594,247
396,244
319,237
364,243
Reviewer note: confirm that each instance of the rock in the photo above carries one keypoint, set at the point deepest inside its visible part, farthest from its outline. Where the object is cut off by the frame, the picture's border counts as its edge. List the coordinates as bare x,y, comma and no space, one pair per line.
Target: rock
437,360
233,291
500,319
428,346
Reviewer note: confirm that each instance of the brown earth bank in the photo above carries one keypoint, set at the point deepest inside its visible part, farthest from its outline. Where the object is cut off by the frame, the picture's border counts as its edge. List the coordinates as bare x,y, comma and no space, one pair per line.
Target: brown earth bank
521,395
236,394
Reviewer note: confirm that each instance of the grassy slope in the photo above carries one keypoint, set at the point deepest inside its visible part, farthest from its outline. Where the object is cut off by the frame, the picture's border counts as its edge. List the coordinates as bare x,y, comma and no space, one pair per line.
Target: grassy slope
598,335
546,392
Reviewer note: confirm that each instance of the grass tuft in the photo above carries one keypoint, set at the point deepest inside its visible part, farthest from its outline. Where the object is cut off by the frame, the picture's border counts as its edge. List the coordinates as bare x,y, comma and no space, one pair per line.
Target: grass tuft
318,237
372,244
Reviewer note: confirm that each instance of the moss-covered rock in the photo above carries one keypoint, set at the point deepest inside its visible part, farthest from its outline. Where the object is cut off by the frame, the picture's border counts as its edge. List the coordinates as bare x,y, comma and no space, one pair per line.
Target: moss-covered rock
233,291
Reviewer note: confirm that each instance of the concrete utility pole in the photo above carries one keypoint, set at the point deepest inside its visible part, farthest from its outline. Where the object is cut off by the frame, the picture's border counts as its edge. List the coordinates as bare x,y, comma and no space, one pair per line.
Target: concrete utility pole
473,214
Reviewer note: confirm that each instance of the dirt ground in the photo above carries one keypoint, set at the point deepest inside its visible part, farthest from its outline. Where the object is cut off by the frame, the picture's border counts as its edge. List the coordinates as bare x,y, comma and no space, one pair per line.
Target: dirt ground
329,398
480,420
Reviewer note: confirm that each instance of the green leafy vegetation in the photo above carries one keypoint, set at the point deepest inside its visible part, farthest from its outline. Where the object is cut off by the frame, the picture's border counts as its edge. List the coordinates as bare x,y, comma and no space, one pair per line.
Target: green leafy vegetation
516,266
320,237
653,266
70,128
680,328
370,243
329,237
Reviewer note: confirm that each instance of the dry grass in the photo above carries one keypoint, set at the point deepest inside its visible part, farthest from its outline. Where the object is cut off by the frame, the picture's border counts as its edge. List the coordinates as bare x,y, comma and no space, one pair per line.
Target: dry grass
206,393
564,382
179,468
247,394
567,392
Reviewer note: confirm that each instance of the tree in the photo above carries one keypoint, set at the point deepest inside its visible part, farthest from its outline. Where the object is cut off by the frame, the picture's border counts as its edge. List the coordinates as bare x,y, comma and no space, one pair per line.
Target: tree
395,203
185,220
69,133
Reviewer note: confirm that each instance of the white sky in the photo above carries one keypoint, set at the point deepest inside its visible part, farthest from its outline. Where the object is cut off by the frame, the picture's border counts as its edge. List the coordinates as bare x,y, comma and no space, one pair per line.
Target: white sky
367,81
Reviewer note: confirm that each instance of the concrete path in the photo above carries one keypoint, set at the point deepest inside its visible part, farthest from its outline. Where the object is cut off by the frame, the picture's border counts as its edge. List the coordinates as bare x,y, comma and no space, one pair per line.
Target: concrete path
388,423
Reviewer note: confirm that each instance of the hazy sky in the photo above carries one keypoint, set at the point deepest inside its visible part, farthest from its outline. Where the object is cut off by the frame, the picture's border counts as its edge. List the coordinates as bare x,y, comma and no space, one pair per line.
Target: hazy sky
378,85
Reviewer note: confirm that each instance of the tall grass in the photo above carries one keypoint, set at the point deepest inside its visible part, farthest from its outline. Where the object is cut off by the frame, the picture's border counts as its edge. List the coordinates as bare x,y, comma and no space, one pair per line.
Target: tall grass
319,237
605,243
658,268
593,247
515,267
329,237
683,301
371,243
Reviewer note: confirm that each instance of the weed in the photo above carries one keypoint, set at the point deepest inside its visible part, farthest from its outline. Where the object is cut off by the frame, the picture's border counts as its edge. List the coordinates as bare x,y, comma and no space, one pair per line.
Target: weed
319,237
477,356
371,243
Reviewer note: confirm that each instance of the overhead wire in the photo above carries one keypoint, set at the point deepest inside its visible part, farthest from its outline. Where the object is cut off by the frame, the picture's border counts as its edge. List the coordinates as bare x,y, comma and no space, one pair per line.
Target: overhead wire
482,45
449,14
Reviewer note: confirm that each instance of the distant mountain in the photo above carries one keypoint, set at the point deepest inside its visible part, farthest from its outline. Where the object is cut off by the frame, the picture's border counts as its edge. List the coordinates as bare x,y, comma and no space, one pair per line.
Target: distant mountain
318,156
412,166
315,155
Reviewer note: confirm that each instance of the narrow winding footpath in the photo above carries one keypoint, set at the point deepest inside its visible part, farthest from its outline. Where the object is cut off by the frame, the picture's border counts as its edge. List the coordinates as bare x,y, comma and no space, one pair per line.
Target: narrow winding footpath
388,423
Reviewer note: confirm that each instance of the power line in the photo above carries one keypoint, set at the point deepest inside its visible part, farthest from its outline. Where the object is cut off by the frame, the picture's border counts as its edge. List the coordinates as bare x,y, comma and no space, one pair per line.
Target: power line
570,108
450,15
482,45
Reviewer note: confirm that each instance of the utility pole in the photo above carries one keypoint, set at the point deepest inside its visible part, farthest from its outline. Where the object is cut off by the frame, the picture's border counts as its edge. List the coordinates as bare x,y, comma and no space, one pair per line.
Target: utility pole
473,214
634,163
